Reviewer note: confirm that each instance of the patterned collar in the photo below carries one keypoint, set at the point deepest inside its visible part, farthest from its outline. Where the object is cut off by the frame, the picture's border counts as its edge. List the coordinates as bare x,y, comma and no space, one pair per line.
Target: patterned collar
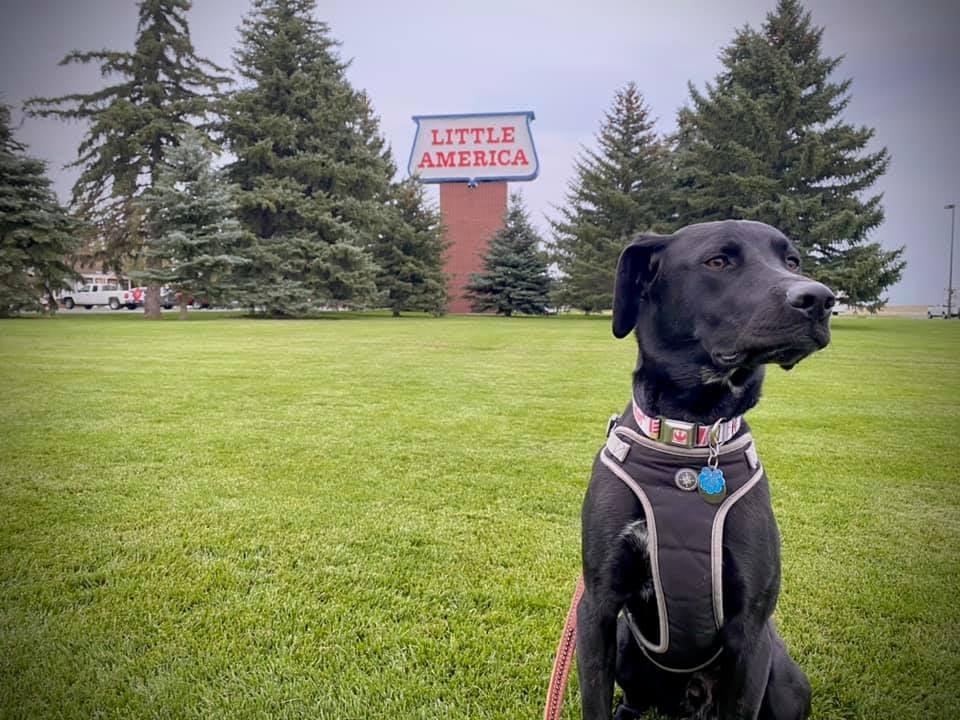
684,434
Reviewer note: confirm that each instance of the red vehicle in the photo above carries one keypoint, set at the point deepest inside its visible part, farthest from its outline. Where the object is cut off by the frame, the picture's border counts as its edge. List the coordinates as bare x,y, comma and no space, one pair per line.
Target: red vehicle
133,297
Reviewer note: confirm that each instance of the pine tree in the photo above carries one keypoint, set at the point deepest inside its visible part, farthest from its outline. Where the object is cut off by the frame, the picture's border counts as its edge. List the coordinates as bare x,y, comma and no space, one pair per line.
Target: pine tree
192,231
410,254
620,189
313,171
36,233
163,87
767,142
514,277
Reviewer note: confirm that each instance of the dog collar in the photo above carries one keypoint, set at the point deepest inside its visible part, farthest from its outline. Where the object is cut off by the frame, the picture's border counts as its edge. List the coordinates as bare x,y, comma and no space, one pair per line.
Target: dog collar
684,434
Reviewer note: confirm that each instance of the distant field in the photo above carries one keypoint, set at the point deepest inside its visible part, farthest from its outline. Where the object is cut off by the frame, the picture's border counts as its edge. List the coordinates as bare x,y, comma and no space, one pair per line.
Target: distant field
367,517
907,311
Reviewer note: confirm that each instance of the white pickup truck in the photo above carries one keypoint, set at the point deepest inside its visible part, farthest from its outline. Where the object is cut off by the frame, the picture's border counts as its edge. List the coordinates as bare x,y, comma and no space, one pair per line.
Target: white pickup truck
113,295
940,311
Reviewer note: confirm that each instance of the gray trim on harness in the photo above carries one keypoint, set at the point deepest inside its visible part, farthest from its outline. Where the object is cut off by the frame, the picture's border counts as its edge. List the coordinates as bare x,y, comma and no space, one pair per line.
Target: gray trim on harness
654,563
716,545
637,635
609,459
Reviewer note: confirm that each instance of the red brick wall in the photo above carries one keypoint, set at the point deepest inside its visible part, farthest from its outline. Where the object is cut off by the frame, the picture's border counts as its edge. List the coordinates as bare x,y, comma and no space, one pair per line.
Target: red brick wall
472,215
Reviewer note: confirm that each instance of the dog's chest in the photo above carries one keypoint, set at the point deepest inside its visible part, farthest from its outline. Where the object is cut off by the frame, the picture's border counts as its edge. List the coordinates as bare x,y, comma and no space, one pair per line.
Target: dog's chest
684,534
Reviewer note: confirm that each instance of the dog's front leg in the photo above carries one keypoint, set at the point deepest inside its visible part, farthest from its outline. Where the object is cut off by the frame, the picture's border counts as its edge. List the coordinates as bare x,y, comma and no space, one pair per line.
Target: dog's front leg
596,654
745,668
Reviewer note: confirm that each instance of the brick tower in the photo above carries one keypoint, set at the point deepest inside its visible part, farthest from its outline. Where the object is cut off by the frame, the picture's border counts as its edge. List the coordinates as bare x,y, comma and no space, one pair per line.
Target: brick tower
471,216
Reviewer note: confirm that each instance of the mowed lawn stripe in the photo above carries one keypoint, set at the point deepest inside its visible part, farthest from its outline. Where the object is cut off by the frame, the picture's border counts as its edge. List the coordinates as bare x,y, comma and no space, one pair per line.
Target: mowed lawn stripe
360,516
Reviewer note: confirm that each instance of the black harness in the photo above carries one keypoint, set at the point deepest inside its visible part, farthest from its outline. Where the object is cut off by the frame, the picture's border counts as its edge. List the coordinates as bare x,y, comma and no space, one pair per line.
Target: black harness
684,537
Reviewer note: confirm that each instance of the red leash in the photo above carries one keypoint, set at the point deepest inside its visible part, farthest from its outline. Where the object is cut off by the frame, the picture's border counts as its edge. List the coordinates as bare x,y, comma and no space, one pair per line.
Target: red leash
564,659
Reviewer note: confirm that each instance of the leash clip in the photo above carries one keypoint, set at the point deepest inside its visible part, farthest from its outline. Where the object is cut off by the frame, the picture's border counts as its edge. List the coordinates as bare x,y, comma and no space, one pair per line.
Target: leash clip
713,444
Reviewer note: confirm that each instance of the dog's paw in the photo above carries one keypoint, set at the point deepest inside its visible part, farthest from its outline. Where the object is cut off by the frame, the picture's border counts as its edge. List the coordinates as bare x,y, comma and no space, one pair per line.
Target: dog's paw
625,712
699,698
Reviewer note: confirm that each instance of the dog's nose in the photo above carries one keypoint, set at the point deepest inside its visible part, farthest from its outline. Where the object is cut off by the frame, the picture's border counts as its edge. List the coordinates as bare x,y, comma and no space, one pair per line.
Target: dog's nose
812,298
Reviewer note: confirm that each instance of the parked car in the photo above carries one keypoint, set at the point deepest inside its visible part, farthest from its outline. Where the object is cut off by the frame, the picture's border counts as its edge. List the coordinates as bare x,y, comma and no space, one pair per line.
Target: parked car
940,311
114,295
170,298
91,295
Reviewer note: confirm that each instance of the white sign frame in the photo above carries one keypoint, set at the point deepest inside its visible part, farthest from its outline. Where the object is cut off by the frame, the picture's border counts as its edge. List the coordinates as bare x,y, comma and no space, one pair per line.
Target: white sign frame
474,148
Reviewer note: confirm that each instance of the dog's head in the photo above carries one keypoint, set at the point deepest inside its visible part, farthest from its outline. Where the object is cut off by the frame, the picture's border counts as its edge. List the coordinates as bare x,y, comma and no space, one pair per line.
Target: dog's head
717,301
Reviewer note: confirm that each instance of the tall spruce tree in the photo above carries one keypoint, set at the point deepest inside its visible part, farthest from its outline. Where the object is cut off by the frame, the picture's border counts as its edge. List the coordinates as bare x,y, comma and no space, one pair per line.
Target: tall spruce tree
312,168
620,188
36,233
767,142
131,124
410,254
514,277
192,231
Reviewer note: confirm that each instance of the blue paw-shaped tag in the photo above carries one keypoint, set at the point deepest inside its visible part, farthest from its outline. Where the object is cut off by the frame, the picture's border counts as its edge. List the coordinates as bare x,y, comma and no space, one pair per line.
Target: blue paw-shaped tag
712,486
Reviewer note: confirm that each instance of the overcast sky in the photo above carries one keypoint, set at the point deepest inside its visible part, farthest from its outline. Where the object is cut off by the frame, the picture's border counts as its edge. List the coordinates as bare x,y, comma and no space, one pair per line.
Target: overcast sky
564,60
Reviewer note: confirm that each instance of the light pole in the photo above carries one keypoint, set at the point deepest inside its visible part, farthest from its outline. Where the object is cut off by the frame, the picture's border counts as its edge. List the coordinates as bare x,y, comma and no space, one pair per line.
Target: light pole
952,207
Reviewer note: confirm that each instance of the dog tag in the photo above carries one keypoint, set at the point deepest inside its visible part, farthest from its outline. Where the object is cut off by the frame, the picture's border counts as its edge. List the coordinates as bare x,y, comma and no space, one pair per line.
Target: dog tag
712,486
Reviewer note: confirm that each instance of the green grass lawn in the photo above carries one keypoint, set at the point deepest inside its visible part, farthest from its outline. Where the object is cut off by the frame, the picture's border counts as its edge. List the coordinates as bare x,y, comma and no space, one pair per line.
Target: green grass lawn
368,517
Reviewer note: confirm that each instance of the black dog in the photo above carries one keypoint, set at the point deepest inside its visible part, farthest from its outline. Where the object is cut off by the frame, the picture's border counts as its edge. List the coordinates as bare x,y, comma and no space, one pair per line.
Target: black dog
680,583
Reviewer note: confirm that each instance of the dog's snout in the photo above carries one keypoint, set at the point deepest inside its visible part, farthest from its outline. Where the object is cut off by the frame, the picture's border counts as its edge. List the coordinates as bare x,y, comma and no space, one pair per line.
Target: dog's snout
812,298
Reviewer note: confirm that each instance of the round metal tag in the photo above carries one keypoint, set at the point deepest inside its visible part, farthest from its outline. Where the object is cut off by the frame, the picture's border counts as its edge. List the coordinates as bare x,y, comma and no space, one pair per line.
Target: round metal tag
686,479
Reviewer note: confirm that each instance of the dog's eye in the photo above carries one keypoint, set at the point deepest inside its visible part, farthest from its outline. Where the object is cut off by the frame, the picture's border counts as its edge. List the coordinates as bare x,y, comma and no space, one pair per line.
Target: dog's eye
793,263
718,262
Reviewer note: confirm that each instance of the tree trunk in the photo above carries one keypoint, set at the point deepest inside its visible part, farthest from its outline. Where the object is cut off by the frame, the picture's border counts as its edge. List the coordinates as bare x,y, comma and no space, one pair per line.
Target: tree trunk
51,309
183,307
151,304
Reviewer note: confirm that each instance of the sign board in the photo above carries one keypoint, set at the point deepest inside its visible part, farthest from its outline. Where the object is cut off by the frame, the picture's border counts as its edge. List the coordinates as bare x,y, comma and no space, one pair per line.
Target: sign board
482,147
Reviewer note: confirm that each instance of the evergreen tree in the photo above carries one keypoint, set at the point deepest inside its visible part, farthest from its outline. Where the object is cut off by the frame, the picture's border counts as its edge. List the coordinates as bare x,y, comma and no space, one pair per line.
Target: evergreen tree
410,254
514,277
313,171
36,233
164,85
767,142
192,231
620,189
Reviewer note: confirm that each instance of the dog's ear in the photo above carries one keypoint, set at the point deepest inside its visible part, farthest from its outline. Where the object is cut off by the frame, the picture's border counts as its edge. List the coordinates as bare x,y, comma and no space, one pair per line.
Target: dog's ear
634,270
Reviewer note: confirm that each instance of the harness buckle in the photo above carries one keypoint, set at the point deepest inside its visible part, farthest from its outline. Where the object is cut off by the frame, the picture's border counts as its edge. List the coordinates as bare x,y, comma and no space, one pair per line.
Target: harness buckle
611,424
676,432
